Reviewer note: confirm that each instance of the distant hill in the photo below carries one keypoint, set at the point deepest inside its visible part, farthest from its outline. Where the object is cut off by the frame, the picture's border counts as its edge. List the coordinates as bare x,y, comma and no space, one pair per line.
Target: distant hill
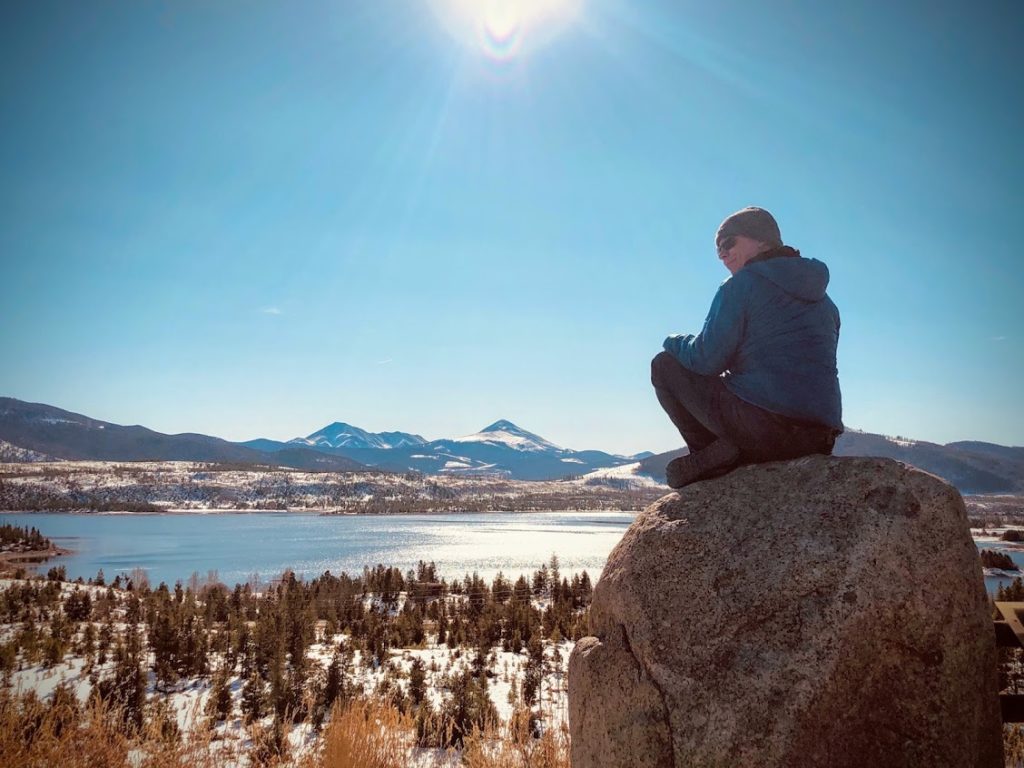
265,445
973,467
971,471
989,449
66,435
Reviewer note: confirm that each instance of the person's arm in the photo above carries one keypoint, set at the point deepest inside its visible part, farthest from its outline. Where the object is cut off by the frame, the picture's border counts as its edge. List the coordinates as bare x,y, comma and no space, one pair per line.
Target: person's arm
711,351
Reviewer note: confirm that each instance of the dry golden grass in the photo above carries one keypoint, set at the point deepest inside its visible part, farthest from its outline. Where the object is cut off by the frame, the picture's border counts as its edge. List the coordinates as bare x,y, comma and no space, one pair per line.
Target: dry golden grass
514,747
1013,745
34,734
360,734
363,734
372,734
37,734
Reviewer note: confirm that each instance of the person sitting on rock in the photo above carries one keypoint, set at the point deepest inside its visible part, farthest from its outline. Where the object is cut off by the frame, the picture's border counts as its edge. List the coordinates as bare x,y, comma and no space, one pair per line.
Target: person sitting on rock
759,382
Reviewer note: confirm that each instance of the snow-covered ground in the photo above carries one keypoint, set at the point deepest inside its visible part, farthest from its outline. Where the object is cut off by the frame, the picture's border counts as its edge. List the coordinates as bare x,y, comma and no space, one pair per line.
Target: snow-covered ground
191,486
627,473
901,441
188,699
13,454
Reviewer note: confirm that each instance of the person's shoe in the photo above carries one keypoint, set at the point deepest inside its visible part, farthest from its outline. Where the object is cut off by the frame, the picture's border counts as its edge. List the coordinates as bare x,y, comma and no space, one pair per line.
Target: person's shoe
717,459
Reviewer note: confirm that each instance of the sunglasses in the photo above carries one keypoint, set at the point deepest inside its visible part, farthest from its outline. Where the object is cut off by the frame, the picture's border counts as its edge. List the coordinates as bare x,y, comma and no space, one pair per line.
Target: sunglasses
726,244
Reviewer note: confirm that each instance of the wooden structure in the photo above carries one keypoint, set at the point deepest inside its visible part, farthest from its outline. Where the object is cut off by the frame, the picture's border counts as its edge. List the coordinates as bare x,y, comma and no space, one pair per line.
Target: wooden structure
1010,634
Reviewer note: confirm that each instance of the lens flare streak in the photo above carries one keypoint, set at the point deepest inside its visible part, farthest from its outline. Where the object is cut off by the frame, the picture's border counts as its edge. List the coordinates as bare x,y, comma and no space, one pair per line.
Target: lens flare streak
503,29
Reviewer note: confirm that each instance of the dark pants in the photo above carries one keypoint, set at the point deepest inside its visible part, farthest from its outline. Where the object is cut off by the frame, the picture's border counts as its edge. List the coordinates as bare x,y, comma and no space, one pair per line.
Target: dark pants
703,410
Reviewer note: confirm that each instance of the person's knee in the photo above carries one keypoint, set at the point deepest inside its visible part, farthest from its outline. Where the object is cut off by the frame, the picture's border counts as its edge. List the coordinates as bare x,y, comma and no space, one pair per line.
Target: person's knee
660,365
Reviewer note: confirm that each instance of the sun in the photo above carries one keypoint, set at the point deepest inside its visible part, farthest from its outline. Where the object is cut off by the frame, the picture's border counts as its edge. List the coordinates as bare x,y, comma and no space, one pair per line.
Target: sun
503,29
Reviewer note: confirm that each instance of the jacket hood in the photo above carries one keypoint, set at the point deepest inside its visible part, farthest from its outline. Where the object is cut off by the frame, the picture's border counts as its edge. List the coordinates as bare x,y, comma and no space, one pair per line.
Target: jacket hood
806,279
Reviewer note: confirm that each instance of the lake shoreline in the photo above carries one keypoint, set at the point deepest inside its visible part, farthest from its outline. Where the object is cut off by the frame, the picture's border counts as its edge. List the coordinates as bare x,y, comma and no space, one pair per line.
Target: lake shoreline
10,562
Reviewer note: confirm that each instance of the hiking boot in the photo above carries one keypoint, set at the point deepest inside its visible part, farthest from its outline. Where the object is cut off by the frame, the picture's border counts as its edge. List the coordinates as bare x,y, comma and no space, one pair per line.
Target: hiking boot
717,459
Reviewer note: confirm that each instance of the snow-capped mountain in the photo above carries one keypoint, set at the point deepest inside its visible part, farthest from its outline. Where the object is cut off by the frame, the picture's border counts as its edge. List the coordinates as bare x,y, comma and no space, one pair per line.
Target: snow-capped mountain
507,434
342,435
501,448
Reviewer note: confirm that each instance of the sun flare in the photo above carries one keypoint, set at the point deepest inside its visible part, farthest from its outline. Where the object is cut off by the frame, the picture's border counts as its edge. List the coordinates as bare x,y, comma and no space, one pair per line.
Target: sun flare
502,29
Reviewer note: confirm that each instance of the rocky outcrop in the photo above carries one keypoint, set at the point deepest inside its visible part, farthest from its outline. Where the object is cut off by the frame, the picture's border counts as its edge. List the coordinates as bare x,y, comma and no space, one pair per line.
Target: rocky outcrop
819,612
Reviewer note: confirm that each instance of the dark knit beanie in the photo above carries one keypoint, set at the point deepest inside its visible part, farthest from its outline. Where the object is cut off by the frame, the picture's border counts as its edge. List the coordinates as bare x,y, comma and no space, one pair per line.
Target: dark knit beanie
755,223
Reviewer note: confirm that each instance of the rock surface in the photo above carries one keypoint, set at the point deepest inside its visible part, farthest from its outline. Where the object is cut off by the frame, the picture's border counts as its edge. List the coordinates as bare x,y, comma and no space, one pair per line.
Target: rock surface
819,612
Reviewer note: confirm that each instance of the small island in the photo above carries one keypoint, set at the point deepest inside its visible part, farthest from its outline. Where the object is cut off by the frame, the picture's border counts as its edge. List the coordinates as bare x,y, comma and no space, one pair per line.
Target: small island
992,559
24,546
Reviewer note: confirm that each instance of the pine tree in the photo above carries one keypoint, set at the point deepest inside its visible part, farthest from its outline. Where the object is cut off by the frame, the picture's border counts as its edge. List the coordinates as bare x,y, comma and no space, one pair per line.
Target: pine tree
296,704
253,698
78,605
442,628
87,646
278,684
521,591
56,644
417,681
513,694
468,708
164,642
334,687
553,566
219,705
125,690
540,581
501,588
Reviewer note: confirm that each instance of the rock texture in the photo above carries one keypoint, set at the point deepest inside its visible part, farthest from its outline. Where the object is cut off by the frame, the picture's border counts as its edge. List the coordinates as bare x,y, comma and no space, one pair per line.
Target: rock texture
819,612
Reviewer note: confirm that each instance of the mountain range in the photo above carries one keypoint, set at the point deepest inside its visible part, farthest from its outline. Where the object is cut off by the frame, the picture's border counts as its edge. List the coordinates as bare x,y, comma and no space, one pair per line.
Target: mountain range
34,431
501,448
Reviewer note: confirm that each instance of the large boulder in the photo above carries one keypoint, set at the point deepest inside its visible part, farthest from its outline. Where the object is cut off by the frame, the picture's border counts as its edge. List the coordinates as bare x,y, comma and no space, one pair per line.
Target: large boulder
818,612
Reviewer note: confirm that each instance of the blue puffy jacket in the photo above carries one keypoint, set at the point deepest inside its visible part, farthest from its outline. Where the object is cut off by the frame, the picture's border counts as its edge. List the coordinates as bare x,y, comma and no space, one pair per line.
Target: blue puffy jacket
772,333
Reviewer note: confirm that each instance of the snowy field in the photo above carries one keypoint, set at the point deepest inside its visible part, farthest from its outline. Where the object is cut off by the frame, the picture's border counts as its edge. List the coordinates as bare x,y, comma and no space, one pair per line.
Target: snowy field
188,700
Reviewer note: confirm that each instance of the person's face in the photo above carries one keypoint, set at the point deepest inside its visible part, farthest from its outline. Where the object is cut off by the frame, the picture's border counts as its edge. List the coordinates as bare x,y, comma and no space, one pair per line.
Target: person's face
736,250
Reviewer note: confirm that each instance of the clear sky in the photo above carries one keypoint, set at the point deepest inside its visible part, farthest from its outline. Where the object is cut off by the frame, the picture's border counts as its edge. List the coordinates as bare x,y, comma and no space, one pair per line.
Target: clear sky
253,218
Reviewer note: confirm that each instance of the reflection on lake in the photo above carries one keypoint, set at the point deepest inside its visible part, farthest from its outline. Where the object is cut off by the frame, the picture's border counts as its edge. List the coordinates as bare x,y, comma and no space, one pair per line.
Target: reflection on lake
172,547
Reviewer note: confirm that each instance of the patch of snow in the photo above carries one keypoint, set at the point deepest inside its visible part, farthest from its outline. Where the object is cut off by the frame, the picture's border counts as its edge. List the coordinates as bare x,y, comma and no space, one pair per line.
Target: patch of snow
13,454
622,473
901,441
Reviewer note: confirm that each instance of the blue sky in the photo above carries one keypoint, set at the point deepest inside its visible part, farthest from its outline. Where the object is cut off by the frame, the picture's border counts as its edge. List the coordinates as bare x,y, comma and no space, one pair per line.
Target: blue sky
251,219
